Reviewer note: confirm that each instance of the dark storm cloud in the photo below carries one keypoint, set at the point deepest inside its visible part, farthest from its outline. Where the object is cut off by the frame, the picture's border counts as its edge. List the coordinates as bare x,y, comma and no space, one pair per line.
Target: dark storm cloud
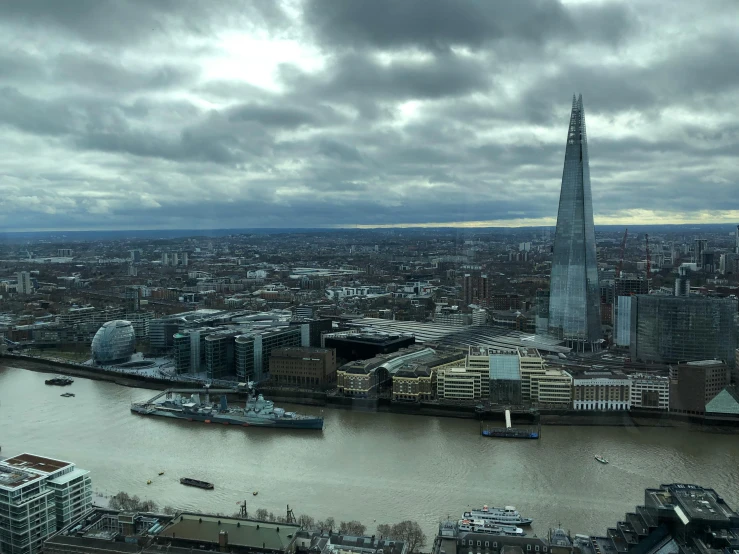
180,113
440,24
124,22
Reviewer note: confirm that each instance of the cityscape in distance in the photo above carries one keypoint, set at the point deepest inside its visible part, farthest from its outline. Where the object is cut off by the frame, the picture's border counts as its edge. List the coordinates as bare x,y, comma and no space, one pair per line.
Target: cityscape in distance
371,364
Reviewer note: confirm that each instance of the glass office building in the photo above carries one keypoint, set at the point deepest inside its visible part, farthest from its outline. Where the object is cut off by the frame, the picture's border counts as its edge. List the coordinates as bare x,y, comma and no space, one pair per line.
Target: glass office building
114,342
673,329
574,298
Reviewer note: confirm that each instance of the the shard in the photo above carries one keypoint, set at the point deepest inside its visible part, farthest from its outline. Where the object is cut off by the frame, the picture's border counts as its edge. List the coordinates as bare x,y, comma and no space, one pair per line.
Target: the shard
574,292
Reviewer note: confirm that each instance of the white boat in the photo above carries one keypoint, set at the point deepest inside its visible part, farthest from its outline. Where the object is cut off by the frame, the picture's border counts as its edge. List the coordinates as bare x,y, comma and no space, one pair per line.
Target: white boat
480,526
500,516
601,459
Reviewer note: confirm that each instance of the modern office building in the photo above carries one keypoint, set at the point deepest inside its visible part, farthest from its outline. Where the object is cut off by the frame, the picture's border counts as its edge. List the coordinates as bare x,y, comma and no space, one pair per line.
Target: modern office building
363,346
113,343
303,367
695,384
220,354
505,379
24,285
253,350
458,383
672,329
39,495
622,327
601,390
312,330
531,365
552,388
574,298
650,391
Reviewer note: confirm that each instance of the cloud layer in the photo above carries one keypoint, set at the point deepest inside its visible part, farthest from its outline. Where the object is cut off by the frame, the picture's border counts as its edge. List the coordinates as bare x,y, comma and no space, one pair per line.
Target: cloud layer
175,114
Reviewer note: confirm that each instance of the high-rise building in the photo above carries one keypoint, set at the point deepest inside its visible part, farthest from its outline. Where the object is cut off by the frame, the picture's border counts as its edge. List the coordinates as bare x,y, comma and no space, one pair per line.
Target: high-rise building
39,495
673,329
574,297
736,239
24,285
476,288
682,283
701,245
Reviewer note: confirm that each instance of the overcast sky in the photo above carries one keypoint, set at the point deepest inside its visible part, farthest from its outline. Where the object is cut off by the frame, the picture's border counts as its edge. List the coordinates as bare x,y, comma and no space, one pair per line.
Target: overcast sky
148,114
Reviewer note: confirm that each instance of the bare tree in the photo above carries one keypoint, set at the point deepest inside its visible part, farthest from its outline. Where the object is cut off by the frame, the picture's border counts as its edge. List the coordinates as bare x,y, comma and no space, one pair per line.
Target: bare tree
307,522
352,528
326,524
169,510
261,514
409,532
384,530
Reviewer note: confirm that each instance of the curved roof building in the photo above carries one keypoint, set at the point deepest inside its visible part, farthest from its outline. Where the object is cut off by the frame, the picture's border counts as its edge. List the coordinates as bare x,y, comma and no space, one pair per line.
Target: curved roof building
114,342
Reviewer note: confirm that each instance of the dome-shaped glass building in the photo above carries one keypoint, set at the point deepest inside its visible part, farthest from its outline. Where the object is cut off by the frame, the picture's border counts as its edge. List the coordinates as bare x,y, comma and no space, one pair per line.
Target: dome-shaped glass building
114,342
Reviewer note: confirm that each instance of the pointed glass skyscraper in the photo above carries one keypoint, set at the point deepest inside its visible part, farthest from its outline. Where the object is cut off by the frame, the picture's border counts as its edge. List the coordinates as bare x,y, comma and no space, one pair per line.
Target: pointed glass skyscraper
574,292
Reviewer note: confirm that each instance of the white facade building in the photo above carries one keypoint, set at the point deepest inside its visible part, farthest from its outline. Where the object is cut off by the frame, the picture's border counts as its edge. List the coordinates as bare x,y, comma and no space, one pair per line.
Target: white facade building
24,283
605,393
459,383
650,392
38,496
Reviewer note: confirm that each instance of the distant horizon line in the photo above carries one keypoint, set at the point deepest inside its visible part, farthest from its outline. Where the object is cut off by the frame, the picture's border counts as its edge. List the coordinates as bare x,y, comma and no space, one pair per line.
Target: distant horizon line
354,227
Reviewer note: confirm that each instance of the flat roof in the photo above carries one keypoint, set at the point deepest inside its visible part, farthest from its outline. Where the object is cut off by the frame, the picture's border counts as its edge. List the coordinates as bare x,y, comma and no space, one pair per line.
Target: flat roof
241,532
38,464
14,478
67,477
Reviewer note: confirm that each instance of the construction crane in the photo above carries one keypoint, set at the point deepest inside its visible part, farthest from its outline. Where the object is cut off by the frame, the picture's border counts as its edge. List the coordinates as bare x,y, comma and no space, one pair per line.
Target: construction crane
649,260
623,249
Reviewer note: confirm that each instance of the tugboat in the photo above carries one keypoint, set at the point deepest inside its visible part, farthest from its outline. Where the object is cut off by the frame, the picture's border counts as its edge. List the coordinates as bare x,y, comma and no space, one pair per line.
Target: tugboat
196,483
601,459
59,381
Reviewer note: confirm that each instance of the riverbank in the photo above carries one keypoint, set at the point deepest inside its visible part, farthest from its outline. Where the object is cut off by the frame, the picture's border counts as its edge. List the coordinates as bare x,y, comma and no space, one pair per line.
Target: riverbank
548,417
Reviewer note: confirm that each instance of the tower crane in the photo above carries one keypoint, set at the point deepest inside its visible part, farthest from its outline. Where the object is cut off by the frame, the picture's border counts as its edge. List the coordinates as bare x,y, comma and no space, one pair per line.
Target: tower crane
623,249
649,260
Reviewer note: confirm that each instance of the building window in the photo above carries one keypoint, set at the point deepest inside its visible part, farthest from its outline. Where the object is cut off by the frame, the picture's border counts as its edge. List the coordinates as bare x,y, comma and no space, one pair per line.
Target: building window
479,543
536,548
528,547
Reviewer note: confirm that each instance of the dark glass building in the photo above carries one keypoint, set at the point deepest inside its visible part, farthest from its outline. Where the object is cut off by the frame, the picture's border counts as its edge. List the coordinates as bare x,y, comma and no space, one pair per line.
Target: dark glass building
574,298
673,329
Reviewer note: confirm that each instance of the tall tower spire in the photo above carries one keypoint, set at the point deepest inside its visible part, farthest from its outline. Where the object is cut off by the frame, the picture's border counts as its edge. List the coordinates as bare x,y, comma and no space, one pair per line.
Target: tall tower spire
574,292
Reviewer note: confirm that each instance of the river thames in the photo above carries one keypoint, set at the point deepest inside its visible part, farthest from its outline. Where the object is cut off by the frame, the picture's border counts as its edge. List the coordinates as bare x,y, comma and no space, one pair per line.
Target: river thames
372,467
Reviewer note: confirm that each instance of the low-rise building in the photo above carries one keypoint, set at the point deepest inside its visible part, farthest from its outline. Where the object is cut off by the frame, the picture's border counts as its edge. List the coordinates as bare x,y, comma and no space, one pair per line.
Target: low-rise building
601,390
326,542
416,380
305,367
103,531
650,391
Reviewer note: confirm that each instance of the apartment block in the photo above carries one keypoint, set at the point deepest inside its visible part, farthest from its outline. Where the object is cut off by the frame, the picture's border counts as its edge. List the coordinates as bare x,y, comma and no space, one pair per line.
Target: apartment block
39,495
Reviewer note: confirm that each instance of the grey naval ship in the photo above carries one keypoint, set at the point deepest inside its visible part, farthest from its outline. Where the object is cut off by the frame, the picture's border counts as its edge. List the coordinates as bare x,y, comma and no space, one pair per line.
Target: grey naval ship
258,412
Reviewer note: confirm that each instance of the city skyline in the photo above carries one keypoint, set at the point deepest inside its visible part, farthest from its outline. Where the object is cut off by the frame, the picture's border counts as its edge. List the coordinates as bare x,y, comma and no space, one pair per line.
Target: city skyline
294,114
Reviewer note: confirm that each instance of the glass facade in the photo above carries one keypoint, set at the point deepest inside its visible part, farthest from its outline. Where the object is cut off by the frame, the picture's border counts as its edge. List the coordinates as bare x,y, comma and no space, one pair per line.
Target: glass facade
675,329
574,298
114,342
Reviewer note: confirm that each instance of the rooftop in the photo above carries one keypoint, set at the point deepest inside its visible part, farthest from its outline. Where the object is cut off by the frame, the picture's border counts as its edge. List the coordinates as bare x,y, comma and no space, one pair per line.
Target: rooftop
36,464
14,478
245,533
